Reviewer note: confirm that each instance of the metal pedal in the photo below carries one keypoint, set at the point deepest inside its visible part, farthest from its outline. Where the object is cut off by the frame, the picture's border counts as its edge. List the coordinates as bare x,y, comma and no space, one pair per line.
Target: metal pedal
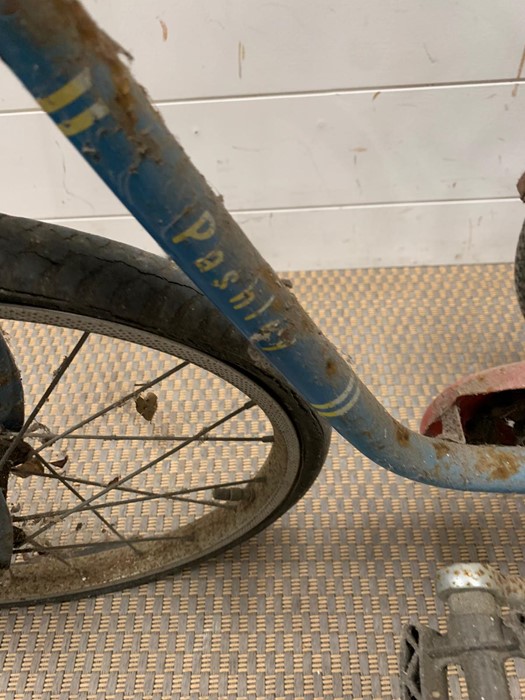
478,638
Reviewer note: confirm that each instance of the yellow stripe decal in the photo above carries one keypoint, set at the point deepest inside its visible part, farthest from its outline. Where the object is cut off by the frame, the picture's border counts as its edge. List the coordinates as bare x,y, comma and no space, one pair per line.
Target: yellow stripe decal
279,346
345,408
68,93
84,120
263,308
339,399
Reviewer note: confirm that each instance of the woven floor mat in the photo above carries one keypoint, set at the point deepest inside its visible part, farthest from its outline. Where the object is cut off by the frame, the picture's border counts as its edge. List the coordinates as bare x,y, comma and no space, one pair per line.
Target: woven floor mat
313,607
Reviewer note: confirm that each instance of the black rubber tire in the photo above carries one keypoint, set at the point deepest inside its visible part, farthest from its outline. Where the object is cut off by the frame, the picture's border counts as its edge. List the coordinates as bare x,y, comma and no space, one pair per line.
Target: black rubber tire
519,270
53,267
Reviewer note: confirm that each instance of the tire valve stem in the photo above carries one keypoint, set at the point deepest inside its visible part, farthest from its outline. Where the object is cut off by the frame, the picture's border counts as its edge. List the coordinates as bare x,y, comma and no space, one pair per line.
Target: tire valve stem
232,493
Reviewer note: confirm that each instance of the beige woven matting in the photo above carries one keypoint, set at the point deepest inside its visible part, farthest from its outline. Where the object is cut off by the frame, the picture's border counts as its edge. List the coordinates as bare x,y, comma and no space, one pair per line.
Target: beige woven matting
313,607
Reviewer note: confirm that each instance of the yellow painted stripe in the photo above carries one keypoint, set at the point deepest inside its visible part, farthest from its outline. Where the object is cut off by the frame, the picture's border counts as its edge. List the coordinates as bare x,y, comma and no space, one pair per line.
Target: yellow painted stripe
339,399
279,346
84,120
77,124
68,93
345,408
261,310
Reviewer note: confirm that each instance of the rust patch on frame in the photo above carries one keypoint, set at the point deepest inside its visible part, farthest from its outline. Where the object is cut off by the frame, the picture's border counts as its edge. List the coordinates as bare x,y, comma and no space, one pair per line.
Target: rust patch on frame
490,460
441,448
402,435
498,465
331,368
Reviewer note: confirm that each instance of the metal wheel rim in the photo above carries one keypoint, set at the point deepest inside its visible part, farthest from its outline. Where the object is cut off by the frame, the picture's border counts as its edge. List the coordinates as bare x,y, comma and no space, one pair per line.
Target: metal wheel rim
279,473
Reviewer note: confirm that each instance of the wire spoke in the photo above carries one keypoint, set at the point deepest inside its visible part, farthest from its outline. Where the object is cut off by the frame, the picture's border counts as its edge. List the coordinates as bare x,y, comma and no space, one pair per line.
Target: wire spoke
97,546
149,438
81,498
180,492
127,501
150,495
110,407
148,465
59,373
37,547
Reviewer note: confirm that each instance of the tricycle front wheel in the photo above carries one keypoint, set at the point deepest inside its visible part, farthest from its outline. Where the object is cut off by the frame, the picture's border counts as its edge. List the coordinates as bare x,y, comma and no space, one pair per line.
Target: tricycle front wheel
164,441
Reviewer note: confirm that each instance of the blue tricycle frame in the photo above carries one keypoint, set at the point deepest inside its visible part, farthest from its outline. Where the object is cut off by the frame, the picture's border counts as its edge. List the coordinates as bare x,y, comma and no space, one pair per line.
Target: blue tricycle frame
77,75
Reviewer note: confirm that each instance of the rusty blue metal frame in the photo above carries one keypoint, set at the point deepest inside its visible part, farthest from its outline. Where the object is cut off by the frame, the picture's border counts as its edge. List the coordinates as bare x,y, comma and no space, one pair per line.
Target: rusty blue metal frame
77,75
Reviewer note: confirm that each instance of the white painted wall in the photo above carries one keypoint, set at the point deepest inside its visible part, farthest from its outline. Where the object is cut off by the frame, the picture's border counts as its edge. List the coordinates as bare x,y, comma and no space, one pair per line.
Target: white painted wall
342,133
